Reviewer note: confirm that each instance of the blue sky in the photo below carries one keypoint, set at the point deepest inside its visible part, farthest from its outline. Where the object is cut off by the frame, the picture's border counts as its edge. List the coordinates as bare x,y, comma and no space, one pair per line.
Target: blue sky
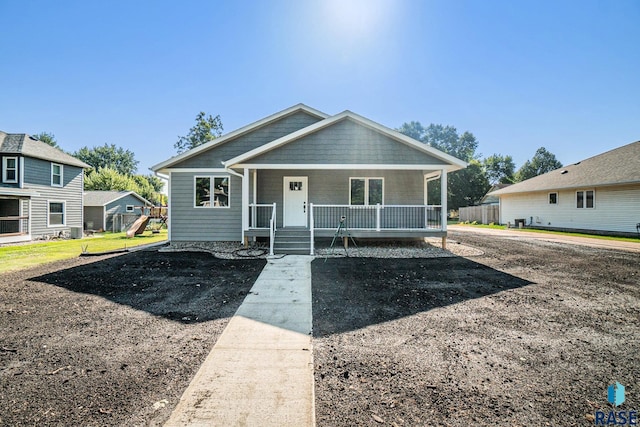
517,74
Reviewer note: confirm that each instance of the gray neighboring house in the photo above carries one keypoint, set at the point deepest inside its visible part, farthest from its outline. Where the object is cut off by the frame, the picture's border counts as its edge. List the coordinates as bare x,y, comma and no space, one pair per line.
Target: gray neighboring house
40,190
600,194
103,209
293,175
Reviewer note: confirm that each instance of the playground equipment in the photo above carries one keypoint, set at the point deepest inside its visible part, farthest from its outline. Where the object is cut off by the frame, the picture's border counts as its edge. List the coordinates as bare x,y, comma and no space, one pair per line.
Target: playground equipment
138,226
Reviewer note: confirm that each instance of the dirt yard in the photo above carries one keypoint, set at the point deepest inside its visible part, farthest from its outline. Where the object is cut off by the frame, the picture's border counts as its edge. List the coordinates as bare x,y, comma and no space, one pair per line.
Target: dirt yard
111,340
529,333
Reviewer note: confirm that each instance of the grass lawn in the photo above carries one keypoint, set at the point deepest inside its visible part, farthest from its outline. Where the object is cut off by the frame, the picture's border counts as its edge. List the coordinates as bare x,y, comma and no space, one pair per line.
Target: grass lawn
18,257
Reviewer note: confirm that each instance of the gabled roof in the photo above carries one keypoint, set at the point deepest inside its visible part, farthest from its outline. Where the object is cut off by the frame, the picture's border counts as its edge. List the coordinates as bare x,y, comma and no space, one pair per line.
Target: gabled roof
103,198
238,132
454,162
615,167
28,146
490,198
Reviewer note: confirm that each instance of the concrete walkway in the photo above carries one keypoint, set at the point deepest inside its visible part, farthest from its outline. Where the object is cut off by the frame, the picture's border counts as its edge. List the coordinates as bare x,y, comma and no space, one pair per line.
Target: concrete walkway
260,371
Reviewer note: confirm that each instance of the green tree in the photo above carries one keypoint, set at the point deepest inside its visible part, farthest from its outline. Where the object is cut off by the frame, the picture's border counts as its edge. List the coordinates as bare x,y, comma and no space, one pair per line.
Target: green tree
146,189
206,129
465,187
108,179
541,162
47,138
499,169
156,183
110,157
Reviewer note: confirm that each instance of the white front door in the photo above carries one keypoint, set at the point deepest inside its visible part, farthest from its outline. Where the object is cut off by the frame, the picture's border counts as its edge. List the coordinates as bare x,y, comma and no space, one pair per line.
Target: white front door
295,201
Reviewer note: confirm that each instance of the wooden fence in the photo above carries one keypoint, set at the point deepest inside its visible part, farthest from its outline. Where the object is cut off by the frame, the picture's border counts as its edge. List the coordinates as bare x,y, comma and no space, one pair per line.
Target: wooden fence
484,214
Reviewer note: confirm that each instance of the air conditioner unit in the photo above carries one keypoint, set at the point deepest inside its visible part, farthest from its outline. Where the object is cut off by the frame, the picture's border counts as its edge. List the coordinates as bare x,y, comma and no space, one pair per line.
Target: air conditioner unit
76,232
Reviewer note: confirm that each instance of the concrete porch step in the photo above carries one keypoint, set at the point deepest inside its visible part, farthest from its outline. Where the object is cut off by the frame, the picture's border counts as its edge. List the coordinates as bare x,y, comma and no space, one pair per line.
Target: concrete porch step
292,241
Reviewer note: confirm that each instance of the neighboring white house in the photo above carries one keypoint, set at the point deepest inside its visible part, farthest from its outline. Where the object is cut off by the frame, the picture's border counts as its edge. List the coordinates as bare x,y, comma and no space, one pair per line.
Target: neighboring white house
600,194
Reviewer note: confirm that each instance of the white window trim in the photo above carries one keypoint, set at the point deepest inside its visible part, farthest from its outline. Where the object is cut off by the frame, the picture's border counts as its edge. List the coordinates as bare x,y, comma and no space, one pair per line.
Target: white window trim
557,198
130,208
366,188
584,199
61,175
212,178
64,213
4,170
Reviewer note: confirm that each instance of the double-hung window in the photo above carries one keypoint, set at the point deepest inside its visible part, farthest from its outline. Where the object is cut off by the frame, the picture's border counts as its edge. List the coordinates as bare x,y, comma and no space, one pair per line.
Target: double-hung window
56,175
10,170
366,191
56,213
211,192
585,199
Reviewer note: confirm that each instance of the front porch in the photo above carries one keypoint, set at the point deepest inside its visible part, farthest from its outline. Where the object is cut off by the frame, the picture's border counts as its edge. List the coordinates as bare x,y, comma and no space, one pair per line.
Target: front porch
358,221
14,220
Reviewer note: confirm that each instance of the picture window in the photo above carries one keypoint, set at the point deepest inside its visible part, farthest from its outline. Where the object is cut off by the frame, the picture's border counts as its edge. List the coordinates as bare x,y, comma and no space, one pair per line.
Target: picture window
211,192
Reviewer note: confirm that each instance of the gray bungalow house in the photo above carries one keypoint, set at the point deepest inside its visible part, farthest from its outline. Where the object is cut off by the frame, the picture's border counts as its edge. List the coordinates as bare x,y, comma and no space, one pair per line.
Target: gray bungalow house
40,190
112,210
600,194
294,175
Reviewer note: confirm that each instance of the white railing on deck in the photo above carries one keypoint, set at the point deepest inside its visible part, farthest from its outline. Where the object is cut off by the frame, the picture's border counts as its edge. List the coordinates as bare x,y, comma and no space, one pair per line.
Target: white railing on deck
311,227
260,215
272,229
378,217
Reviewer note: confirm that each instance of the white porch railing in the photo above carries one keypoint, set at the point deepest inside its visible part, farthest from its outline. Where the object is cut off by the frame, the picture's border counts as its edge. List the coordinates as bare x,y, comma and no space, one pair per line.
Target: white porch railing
260,215
272,229
378,217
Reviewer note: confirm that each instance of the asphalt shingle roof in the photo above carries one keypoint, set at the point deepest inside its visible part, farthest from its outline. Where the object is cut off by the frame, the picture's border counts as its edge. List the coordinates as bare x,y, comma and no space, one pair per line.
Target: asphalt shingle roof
101,198
21,143
615,167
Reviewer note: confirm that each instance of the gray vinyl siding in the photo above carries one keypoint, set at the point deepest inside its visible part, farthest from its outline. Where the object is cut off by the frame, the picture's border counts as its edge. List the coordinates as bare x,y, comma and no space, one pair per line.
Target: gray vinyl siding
332,186
189,223
37,176
346,142
120,207
240,145
94,218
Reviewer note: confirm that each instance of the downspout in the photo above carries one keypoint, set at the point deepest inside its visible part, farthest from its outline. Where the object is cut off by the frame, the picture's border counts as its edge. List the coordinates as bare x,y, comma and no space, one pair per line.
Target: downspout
168,179
244,215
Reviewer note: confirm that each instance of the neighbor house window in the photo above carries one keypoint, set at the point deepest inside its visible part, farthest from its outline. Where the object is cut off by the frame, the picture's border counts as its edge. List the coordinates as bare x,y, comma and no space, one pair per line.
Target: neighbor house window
366,191
56,175
211,191
585,199
56,213
553,198
10,169
130,208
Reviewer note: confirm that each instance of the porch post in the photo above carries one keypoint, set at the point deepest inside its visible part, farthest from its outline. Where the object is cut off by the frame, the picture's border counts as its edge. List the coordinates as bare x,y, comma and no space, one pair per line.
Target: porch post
443,204
245,204
254,184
